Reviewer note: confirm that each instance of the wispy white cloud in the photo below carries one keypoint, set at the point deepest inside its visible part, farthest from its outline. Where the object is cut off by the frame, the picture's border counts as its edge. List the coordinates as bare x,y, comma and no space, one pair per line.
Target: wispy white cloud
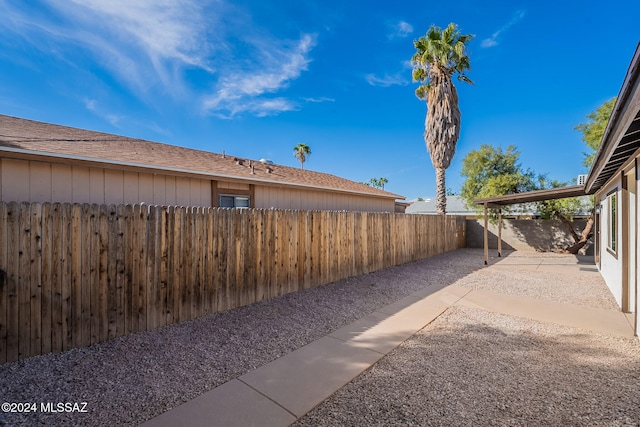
242,90
144,44
150,46
495,38
387,80
318,100
93,106
400,29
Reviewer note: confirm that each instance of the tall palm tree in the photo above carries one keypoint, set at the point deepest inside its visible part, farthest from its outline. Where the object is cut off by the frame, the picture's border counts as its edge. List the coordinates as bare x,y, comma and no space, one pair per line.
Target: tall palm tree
301,152
439,55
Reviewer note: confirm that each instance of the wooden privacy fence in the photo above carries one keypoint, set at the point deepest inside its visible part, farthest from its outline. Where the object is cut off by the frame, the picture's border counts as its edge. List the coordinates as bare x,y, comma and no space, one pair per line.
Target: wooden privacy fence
75,275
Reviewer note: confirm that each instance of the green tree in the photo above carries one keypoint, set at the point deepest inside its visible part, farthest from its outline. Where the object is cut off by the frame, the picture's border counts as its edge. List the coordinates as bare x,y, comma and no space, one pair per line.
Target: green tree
593,130
377,182
301,152
441,54
491,171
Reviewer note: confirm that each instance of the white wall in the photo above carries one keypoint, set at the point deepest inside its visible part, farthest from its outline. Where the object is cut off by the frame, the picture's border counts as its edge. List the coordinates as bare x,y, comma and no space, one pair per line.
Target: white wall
611,264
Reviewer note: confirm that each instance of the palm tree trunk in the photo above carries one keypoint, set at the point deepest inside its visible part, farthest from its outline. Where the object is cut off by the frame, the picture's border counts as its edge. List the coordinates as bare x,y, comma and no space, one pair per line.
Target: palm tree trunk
441,192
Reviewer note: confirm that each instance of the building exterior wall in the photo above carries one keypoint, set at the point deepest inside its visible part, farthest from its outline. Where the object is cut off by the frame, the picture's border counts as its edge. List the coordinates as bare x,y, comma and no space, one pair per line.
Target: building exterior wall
38,181
267,197
35,181
611,263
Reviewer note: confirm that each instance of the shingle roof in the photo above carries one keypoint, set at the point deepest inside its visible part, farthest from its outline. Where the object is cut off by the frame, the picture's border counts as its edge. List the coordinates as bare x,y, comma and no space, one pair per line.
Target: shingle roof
22,134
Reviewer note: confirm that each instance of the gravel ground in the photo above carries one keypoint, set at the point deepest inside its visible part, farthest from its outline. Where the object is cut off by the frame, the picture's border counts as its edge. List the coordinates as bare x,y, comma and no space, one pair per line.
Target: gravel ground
131,379
467,367
471,367
569,286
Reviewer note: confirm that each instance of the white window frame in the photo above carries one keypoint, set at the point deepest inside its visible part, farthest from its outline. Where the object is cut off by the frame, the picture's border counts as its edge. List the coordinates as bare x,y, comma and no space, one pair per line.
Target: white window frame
613,205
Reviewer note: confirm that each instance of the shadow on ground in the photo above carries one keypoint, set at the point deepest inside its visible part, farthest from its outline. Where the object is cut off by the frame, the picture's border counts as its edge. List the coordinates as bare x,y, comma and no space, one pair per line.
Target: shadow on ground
474,368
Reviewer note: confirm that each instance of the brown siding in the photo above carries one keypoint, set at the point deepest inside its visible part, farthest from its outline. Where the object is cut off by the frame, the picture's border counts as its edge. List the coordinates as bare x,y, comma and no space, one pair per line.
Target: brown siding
62,182
15,179
267,197
81,187
131,187
34,181
96,186
113,186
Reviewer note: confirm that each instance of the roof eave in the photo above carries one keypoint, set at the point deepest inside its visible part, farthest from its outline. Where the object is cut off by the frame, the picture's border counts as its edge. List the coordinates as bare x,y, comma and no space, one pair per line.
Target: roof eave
609,143
532,196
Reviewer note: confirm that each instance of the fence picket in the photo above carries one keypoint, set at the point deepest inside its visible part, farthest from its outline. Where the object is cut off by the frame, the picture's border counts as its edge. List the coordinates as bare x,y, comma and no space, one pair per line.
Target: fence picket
74,275
4,286
35,260
75,294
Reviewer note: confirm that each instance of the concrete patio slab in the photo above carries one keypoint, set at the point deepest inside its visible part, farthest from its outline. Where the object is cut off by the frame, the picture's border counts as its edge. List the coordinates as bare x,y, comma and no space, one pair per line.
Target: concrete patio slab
594,319
516,260
232,404
390,332
303,378
360,326
394,330
399,305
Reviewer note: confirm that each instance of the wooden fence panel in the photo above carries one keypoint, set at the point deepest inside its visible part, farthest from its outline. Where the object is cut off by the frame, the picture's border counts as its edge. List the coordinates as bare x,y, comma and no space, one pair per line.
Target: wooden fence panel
94,273
4,286
46,304
241,239
13,269
74,275
35,264
74,306
24,282
129,294
84,315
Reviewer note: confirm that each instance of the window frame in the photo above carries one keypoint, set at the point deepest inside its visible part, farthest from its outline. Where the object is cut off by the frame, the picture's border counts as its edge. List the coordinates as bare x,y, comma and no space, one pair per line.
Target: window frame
612,222
235,201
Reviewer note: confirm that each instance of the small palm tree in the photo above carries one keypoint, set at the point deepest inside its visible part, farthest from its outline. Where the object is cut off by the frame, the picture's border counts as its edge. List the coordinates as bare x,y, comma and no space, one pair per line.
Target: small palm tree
301,152
439,55
382,182
377,182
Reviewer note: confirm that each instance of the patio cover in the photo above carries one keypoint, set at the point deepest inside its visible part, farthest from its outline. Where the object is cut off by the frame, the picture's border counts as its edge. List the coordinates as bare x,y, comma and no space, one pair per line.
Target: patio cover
498,202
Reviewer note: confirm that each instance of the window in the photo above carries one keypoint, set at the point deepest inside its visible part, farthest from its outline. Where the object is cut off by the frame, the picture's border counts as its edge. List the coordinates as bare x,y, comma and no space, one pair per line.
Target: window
226,201
612,226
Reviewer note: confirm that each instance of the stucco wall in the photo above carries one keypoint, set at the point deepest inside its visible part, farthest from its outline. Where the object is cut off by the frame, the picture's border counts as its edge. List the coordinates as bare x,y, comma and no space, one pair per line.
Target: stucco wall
610,263
525,235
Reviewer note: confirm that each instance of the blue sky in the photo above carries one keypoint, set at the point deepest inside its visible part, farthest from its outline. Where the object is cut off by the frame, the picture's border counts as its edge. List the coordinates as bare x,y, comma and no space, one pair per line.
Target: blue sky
254,78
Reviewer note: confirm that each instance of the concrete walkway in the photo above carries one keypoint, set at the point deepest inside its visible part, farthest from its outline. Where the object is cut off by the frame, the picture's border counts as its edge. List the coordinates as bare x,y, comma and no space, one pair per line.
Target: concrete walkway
282,391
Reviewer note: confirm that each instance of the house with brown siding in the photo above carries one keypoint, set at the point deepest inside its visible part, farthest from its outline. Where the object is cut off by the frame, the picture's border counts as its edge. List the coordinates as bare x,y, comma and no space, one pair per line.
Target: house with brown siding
43,162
